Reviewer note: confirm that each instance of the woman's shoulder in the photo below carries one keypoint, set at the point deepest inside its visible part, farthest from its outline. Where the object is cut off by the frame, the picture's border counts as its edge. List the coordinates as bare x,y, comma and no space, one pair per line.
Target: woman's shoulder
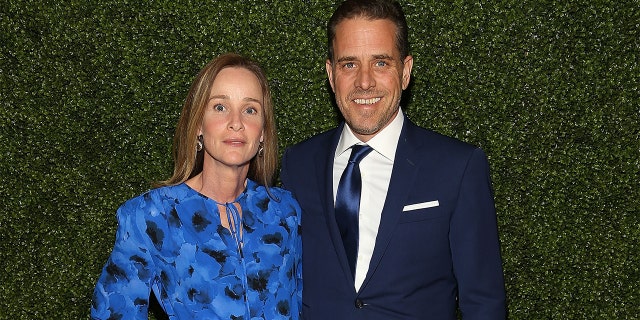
275,193
156,197
281,191
274,196
283,196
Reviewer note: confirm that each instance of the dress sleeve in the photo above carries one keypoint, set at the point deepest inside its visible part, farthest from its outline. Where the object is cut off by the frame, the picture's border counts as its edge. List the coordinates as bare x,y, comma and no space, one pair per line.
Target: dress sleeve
297,246
292,274
123,289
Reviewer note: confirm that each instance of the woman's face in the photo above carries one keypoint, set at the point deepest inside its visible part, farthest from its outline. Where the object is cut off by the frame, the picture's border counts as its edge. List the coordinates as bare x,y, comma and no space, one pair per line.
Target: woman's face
233,122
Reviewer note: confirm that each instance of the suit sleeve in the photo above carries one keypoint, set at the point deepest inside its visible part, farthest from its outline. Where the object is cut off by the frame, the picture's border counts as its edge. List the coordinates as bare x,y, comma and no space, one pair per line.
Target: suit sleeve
122,291
284,171
475,246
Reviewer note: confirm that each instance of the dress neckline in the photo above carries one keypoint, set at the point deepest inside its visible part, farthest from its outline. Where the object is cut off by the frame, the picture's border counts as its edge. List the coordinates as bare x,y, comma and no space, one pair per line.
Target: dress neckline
248,185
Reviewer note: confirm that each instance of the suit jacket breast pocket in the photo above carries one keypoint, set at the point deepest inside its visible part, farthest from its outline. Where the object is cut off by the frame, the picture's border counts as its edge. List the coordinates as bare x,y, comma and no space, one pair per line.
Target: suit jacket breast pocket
425,214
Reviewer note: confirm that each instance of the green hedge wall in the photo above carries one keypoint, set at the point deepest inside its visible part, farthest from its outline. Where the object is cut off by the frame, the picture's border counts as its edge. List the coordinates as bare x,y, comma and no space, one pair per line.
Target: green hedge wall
91,91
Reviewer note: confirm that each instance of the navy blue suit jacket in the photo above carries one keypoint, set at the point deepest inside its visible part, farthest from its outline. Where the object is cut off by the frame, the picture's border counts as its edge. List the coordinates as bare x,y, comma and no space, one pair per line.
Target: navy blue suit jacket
425,261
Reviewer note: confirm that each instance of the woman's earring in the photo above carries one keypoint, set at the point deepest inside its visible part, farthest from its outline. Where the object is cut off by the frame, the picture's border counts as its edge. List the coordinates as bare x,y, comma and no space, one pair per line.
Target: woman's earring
199,144
260,149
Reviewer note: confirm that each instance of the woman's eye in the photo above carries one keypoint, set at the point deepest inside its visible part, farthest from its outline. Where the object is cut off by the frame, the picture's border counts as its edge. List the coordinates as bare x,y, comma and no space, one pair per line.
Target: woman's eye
218,107
251,110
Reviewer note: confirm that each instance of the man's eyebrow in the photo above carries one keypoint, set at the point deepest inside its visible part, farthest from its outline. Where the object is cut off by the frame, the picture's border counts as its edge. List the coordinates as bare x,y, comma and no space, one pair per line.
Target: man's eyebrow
382,56
343,59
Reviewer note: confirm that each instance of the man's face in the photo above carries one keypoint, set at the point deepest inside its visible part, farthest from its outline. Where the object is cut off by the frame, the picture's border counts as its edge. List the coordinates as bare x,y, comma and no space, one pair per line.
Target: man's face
367,74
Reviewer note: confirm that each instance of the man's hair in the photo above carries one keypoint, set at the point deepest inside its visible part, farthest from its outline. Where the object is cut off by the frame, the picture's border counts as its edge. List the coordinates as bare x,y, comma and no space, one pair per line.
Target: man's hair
371,10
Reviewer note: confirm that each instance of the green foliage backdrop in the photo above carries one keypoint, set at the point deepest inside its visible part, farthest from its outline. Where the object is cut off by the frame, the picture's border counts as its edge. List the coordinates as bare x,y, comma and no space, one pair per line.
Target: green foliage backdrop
90,92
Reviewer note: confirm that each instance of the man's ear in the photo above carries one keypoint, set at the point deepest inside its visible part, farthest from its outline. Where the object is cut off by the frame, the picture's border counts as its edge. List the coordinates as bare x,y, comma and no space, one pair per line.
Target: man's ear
329,68
406,71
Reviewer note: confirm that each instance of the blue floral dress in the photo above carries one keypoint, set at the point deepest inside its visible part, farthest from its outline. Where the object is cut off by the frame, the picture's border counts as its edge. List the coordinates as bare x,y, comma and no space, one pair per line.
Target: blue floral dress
170,240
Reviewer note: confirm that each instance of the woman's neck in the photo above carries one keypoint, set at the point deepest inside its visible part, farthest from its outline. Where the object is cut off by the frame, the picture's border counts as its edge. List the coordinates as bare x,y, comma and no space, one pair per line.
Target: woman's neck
223,186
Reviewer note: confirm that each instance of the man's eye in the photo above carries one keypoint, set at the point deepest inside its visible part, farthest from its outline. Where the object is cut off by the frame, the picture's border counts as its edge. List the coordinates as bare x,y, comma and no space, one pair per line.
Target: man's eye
349,65
381,63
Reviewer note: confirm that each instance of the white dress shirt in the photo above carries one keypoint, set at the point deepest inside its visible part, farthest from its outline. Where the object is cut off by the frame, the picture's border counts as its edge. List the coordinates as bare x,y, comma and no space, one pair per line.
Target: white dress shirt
375,170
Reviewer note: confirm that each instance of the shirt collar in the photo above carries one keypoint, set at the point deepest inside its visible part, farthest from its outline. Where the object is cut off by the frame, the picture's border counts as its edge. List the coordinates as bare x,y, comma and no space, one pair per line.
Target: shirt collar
384,143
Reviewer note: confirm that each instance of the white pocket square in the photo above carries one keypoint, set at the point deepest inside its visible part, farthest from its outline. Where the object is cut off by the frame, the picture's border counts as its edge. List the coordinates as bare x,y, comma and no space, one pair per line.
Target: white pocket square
422,205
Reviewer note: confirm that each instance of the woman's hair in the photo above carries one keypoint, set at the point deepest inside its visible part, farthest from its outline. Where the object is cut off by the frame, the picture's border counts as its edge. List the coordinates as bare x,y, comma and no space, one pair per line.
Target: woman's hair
187,160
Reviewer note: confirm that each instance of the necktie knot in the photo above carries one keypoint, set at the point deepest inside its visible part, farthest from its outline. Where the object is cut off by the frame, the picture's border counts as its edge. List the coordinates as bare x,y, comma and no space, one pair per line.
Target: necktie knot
358,152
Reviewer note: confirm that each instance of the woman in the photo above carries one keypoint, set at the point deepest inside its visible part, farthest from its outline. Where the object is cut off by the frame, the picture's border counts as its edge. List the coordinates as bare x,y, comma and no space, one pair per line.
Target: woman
213,241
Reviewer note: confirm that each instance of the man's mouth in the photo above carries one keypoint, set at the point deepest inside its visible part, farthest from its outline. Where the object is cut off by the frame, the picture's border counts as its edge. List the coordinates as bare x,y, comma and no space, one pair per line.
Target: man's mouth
366,101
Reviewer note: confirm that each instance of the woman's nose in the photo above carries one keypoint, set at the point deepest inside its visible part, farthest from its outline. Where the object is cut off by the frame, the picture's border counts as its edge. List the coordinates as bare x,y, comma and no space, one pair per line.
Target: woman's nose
235,121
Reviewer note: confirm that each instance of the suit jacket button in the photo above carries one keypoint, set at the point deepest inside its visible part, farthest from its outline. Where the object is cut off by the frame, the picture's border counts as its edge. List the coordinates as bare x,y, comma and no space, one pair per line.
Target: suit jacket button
359,304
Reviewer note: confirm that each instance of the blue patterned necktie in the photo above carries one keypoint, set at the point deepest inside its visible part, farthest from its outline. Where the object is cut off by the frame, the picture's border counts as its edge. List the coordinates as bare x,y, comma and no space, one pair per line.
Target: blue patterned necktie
348,203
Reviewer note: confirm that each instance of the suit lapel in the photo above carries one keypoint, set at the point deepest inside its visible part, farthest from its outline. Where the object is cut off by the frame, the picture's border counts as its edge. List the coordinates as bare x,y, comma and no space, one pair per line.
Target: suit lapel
402,180
325,173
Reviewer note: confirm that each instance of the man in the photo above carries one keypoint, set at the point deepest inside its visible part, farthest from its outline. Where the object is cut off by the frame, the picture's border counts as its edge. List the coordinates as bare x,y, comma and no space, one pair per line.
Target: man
425,238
